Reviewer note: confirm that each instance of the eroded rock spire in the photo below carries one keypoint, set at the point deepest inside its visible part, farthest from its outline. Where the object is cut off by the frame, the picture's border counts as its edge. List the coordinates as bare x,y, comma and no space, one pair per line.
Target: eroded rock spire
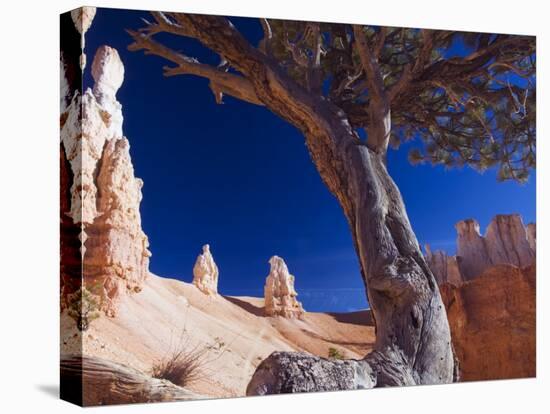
205,272
104,195
507,241
279,293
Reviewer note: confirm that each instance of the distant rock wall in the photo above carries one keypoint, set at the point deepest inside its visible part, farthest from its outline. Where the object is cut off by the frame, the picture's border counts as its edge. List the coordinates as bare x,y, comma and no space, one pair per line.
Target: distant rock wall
493,323
99,192
489,293
507,241
205,272
279,292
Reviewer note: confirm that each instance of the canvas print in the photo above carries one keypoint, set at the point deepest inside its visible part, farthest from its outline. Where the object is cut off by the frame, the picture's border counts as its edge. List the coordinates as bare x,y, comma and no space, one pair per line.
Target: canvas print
253,206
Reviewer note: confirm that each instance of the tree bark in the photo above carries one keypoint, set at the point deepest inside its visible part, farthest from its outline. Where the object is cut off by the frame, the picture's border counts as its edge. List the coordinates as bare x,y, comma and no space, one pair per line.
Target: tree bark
413,342
411,320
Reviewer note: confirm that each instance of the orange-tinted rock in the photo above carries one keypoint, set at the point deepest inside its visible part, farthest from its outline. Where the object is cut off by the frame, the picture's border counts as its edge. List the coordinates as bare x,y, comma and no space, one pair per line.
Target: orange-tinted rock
506,241
444,267
493,323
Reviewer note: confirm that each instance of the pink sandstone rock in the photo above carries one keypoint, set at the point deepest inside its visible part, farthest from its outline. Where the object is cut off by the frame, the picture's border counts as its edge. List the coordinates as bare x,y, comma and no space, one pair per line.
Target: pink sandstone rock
444,267
104,193
117,255
507,241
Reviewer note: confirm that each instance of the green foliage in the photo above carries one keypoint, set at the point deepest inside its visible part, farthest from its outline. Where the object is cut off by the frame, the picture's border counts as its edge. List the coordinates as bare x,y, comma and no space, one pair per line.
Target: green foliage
83,307
334,353
469,100
466,98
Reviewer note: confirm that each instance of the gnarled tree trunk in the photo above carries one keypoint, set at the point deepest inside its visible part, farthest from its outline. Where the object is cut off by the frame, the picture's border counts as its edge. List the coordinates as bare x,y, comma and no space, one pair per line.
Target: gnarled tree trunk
413,344
411,321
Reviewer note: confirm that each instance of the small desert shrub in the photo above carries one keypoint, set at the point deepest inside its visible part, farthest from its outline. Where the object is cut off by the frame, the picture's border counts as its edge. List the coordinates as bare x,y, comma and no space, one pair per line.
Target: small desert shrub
83,307
217,345
334,353
183,365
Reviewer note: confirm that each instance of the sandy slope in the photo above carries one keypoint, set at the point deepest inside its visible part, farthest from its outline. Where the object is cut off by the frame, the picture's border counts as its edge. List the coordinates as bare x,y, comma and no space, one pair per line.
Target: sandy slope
153,321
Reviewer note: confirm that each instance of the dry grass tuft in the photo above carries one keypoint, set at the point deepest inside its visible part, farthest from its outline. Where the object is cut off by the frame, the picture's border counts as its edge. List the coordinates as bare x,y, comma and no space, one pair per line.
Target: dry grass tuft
183,366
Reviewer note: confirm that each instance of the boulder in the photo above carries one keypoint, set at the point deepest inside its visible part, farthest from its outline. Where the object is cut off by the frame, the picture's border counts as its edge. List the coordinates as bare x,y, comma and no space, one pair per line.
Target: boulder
291,372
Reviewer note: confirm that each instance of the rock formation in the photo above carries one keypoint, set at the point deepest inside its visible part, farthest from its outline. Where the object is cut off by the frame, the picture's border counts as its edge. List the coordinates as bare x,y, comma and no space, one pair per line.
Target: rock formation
279,292
489,293
284,372
117,254
493,323
205,272
108,74
507,241
532,236
444,267
99,191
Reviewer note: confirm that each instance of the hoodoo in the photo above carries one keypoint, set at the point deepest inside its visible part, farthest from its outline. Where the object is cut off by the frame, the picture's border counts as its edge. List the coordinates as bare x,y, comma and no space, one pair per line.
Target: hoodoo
205,272
280,295
100,194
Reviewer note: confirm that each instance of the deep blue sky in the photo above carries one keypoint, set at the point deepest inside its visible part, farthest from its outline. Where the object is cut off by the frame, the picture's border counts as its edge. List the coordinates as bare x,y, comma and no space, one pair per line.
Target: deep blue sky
238,177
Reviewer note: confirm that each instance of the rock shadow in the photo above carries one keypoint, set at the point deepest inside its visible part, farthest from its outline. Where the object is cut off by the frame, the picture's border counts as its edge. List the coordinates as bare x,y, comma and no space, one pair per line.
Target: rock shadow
363,317
250,308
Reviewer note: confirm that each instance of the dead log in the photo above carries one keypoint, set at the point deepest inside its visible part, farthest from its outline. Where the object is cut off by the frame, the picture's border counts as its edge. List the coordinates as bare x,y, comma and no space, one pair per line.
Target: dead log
90,381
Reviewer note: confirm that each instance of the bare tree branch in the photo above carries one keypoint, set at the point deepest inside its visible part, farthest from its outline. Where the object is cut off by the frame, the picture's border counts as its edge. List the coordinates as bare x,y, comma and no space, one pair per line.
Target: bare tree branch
369,64
221,81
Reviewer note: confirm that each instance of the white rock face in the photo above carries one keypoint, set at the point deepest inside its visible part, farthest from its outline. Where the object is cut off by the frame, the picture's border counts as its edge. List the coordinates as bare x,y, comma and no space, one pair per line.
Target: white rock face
279,293
105,194
507,241
205,272
108,74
